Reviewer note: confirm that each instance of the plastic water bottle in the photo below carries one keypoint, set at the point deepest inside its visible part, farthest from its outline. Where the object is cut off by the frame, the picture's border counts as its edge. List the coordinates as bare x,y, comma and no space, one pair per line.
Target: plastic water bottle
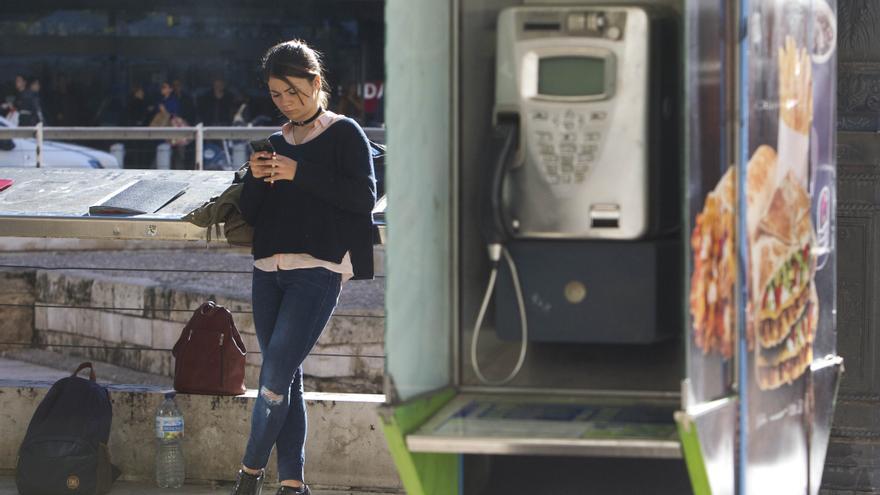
170,471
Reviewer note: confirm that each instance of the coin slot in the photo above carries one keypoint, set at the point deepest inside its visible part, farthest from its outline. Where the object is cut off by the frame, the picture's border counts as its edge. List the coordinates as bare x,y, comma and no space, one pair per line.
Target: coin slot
605,216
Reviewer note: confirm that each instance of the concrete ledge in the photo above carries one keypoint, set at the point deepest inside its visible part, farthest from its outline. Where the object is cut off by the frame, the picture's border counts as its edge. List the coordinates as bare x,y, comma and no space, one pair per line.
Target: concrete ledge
12,244
345,446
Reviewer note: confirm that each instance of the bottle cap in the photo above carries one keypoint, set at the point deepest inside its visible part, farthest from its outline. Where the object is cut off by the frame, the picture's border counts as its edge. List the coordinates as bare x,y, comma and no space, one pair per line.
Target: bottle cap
170,395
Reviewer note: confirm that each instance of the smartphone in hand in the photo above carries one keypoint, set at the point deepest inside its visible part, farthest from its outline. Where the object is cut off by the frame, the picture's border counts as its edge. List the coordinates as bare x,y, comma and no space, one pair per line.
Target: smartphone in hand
262,145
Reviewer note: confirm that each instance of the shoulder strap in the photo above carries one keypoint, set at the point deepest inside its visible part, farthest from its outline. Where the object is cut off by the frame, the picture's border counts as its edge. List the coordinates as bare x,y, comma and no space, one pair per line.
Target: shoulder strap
83,366
233,332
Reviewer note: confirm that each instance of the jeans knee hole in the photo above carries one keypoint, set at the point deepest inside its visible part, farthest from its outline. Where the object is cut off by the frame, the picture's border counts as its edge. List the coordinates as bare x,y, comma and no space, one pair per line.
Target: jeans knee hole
270,397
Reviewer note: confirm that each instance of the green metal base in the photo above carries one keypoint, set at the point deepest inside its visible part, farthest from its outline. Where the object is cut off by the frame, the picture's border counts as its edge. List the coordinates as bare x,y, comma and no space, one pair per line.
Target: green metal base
421,474
693,455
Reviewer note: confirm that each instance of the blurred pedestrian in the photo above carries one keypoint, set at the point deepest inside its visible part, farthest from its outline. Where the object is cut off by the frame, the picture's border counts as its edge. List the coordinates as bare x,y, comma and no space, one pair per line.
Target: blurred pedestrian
216,107
27,102
35,89
350,103
187,105
20,85
168,115
10,111
137,111
139,153
168,106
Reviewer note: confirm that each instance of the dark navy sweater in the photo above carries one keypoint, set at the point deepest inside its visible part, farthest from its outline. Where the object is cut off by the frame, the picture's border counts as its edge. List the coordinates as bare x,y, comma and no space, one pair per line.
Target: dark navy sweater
326,210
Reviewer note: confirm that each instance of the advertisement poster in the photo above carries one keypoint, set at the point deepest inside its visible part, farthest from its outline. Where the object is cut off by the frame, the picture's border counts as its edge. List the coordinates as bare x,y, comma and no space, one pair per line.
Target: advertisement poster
762,238
711,210
709,418
788,189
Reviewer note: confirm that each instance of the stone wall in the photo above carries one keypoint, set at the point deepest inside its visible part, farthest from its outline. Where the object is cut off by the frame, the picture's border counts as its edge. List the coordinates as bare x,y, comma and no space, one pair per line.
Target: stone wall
16,308
134,323
853,462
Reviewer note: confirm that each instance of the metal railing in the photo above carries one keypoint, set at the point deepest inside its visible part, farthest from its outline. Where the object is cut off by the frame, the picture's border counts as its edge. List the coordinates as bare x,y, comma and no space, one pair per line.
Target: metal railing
198,133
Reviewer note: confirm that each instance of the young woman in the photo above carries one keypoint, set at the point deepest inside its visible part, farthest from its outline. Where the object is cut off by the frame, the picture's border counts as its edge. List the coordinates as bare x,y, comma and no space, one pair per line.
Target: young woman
310,203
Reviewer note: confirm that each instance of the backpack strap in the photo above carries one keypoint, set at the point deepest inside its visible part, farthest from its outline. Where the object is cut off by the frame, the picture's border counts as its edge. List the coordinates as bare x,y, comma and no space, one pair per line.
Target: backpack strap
83,366
236,337
208,235
207,307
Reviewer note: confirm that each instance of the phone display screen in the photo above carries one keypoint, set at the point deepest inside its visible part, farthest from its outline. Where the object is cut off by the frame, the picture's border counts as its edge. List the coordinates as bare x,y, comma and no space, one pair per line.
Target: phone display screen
571,76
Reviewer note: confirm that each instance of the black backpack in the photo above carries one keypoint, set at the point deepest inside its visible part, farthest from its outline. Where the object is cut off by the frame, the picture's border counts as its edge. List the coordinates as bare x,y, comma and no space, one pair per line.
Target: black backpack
65,448
378,152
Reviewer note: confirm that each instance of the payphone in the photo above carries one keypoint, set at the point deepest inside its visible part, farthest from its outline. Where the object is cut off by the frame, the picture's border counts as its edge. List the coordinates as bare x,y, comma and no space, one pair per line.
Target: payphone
593,90
584,210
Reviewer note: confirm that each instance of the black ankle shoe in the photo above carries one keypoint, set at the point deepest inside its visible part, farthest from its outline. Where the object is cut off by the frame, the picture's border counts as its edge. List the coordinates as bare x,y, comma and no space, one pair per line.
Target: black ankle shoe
248,484
289,490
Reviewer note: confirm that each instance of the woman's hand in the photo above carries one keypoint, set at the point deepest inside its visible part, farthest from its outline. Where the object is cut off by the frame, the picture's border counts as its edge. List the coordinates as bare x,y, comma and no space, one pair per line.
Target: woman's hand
272,166
261,164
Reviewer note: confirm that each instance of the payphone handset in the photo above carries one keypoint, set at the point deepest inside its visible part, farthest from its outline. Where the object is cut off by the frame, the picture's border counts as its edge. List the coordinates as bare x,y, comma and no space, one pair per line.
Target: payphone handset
578,81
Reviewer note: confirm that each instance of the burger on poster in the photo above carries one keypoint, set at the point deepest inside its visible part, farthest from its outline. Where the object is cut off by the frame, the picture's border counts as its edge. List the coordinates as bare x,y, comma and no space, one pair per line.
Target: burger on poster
784,301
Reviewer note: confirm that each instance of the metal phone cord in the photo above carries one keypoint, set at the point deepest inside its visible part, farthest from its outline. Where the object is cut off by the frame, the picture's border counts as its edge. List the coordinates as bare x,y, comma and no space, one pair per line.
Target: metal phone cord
495,252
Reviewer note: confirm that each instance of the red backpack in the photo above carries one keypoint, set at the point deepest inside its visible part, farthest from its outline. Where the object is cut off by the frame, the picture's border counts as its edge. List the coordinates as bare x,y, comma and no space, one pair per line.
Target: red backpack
209,356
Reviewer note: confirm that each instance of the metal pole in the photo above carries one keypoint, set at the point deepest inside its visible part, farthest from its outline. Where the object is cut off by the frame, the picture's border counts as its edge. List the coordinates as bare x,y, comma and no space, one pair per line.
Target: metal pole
154,133
200,146
738,40
39,133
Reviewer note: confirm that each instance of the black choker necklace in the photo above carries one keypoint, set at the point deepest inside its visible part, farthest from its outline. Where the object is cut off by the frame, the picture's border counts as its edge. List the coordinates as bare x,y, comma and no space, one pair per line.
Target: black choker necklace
310,119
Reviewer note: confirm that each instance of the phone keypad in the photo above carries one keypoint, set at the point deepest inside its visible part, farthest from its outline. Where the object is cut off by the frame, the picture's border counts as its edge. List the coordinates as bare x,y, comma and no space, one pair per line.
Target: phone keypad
566,144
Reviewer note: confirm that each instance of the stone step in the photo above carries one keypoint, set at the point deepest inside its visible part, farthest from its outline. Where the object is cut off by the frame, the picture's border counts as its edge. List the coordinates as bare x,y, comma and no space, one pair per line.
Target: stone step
146,311
46,366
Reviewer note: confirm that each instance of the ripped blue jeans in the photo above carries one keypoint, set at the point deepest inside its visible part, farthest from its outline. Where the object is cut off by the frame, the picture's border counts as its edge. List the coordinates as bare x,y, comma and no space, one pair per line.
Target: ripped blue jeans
291,308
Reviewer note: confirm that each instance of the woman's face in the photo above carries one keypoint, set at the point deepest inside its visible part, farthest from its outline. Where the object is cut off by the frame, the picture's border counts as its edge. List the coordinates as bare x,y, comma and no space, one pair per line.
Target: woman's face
295,97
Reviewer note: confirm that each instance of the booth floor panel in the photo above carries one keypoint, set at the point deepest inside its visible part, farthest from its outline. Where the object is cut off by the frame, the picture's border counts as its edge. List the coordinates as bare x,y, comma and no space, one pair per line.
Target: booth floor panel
576,426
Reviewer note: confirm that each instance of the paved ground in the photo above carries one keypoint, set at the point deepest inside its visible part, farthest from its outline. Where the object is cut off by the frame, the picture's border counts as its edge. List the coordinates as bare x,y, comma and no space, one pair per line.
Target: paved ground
41,365
12,370
7,487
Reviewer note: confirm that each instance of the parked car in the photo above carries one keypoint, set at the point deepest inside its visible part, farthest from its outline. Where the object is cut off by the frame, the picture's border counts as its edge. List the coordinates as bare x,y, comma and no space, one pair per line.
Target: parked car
22,152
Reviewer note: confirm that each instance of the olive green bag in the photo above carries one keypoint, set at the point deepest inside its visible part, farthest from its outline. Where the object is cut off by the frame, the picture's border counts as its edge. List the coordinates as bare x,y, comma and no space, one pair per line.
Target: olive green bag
224,209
